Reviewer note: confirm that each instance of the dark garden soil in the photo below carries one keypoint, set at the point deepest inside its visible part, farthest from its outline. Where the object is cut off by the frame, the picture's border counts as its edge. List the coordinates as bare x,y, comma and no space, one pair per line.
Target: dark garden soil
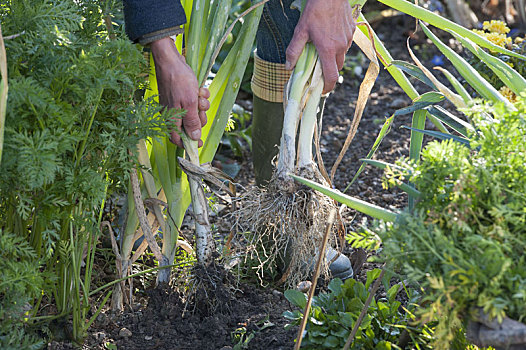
254,314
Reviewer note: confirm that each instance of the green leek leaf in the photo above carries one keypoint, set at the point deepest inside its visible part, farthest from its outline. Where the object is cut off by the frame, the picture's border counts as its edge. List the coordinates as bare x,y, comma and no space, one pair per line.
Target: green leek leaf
354,203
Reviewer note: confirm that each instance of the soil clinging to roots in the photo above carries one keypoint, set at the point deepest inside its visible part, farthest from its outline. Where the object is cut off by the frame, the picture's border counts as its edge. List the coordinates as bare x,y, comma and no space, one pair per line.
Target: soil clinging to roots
210,289
284,228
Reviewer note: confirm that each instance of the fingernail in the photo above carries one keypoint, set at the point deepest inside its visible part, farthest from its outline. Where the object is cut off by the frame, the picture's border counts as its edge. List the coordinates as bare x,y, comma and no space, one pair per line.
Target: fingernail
196,135
287,65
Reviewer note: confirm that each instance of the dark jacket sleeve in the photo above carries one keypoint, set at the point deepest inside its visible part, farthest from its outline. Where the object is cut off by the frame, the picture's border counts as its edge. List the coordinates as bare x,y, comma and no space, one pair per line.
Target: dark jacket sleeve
150,20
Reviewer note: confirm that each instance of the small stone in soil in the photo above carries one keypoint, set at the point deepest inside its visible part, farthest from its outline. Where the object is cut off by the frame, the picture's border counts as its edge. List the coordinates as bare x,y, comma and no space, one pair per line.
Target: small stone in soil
148,337
100,335
277,293
304,286
125,333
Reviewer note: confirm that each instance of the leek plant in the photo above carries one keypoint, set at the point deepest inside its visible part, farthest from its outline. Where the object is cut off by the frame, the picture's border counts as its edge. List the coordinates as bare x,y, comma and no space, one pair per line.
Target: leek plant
162,176
286,222
282,218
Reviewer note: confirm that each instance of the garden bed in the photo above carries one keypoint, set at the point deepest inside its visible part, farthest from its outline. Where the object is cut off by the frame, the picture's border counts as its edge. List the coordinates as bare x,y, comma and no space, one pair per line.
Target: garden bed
255,316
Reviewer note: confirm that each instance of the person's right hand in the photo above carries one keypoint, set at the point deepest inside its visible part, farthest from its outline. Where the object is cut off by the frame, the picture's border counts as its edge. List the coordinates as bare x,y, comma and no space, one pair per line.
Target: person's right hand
330,25
178,88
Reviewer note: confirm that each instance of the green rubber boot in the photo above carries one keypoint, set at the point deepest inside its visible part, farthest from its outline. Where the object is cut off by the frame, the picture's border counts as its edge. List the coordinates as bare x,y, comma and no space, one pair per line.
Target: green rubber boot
267,123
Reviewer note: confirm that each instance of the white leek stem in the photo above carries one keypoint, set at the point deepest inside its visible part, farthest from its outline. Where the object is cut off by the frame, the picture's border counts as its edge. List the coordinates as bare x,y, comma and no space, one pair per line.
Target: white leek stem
296,89
308,120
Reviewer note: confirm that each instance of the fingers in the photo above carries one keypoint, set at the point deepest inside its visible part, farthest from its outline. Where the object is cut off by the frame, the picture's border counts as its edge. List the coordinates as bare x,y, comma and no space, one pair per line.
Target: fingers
204,93
204,104
194,119
340,59
191,121
329,68
295,48
203,118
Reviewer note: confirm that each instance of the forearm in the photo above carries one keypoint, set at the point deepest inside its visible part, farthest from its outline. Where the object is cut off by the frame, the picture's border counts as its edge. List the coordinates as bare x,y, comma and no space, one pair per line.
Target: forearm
151,20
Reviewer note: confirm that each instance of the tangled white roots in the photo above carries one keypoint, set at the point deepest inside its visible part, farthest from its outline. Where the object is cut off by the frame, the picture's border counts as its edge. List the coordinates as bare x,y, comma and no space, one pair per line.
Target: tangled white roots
284,228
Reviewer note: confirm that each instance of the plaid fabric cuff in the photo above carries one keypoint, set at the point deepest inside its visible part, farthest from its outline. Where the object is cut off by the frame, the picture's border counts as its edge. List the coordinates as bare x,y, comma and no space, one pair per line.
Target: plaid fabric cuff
269,80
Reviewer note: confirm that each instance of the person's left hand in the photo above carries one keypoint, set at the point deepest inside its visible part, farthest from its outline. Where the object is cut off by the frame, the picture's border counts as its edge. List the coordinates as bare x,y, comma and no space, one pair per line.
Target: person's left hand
330,25
179,89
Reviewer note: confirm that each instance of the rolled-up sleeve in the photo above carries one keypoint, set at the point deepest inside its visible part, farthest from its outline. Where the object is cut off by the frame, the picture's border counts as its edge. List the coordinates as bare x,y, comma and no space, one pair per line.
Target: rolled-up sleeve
150,20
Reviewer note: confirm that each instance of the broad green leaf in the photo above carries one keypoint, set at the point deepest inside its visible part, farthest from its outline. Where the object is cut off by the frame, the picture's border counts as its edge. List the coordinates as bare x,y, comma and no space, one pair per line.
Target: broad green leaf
440,135
340,332
422,101
354,203
445,24
335,286
392,292
354,305
331,342
110,346
346,319
415,144
414,71
292,315
384,345
296,297
509,76
371,276
481,85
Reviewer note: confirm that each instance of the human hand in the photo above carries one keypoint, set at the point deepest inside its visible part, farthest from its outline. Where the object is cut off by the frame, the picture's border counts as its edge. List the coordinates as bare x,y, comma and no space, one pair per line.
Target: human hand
330,25
178,88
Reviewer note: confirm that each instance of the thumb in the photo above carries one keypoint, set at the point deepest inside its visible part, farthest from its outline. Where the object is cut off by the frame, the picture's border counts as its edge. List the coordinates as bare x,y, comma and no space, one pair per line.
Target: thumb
295,48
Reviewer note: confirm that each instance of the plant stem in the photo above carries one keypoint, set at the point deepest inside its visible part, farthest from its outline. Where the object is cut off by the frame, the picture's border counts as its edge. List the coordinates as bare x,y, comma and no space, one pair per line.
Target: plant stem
203,235
92,118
